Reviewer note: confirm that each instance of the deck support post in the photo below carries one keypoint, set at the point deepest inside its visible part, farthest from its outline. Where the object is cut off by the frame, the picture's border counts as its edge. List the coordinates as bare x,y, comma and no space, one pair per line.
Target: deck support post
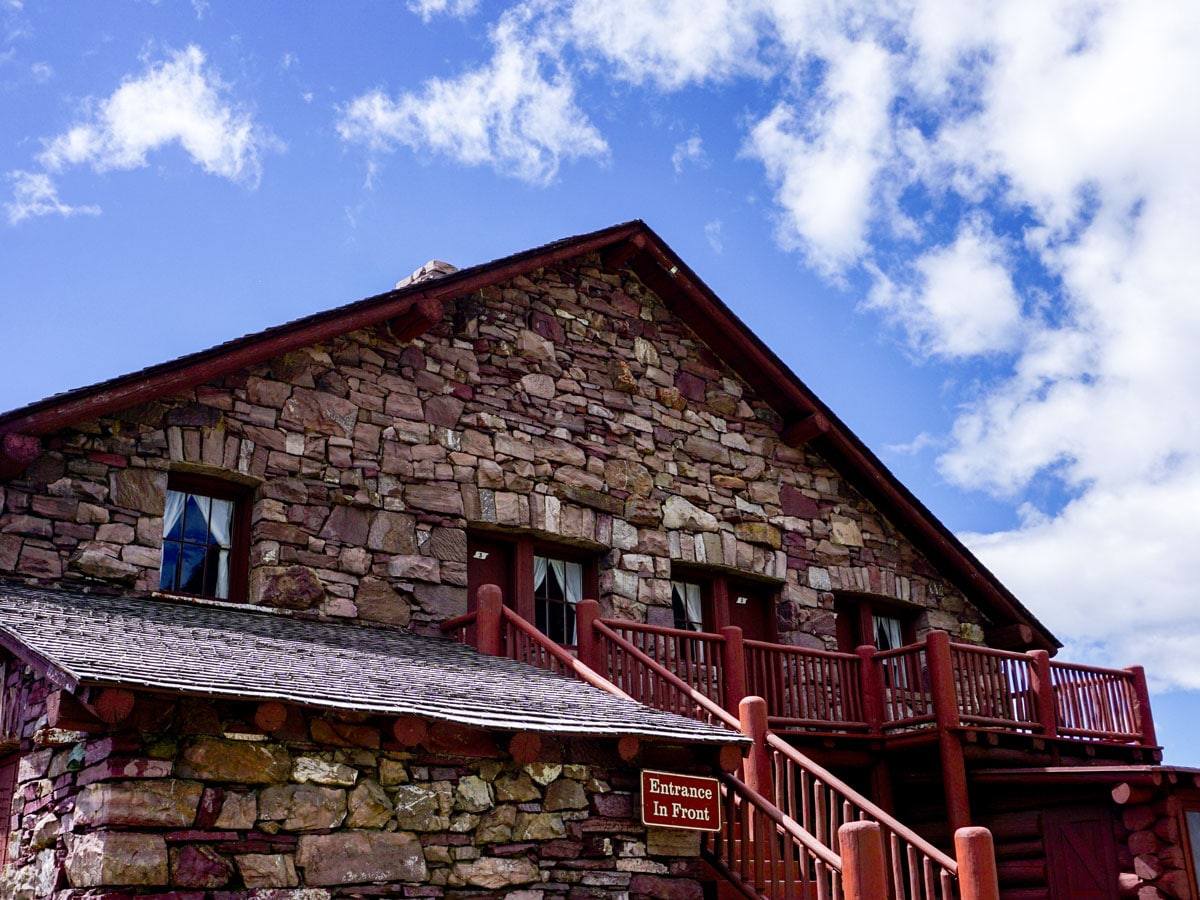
752,716
945,708
1141,706
733,667
490,604
1043,693
976,855
864,870
587,614
870,680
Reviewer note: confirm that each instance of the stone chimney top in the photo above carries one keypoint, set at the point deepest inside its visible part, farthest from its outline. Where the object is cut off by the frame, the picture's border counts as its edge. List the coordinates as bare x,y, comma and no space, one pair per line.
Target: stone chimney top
435,268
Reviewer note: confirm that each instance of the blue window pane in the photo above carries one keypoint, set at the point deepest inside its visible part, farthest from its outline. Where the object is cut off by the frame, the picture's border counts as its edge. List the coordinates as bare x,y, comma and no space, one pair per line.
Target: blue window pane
195,519
170,562
191,573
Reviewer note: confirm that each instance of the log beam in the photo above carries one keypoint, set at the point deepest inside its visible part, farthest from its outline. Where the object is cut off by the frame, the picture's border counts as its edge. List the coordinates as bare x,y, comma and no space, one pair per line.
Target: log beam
113,705
17,451
1010,637
65,710
418,319
802,431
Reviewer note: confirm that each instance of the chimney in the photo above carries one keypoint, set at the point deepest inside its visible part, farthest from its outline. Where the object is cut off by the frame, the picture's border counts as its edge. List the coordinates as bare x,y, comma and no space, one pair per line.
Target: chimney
435,268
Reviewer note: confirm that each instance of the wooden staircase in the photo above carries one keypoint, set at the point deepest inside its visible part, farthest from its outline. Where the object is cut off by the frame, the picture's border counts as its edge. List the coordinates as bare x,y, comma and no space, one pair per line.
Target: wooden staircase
791,830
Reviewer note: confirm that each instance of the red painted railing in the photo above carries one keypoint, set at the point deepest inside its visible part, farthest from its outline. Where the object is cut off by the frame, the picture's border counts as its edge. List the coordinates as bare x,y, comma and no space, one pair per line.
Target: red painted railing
902,679
694,656
1096,704
806,689
995,688
764,852
821,803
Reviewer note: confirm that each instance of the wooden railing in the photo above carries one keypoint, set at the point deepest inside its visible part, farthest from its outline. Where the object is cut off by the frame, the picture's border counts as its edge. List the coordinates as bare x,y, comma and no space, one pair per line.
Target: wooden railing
821,803
1097,704
694,656
902,680
806,689
766,853
883,692
995,688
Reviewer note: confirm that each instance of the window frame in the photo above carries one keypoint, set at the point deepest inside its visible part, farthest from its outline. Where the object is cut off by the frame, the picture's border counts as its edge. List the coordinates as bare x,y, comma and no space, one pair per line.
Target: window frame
216,488
856,615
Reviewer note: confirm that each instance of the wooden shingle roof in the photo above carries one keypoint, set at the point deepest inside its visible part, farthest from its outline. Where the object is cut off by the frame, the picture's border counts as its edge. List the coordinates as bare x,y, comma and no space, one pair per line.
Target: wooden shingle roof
235,652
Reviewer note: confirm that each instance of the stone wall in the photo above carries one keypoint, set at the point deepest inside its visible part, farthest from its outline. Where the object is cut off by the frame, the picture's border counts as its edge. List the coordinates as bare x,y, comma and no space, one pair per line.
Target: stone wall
1151,851
188,801
572,405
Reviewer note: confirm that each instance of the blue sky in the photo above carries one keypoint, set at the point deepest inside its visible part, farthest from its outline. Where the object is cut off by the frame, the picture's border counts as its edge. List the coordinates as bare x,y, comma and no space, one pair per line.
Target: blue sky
969,226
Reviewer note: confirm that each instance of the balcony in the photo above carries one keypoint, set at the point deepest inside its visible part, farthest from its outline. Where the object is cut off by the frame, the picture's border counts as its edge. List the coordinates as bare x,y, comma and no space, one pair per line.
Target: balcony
917,690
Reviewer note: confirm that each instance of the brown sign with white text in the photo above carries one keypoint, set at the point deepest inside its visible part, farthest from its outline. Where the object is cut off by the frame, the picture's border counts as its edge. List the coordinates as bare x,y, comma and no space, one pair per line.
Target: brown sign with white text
680,801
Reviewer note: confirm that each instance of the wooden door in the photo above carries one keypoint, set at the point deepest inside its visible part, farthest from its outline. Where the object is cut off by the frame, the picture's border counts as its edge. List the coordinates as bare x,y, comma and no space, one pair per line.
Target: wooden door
752,608
488,562
1081,859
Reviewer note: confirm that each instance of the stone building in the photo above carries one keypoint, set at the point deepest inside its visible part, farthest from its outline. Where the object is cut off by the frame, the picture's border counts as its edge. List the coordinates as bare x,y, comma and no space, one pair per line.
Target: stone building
226,579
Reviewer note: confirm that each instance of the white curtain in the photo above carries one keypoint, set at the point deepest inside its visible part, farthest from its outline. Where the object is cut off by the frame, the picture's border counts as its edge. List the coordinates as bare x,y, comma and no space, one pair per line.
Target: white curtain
539,572
689,612
220,527
173,517
888,634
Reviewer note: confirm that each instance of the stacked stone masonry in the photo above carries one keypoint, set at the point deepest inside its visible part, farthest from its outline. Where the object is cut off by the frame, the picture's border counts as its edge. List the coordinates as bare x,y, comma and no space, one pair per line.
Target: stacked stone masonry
572,405
187,800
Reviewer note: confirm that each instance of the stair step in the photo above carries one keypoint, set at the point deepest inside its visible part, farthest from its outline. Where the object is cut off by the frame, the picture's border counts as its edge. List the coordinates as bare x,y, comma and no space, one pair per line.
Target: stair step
1025,893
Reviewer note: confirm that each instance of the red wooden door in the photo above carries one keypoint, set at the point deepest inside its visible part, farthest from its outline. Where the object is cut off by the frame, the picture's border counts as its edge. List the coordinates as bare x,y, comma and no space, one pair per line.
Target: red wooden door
488,562
752,608
1081,859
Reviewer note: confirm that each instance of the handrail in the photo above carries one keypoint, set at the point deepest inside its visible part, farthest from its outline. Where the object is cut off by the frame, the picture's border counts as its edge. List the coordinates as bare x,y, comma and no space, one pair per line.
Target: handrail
806,688
767,854
995,688
820,803
696,655
1094,703
715,713
567,664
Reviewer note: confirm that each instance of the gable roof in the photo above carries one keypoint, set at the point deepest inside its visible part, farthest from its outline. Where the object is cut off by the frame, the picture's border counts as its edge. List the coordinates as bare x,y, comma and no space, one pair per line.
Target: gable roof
412,309
236,652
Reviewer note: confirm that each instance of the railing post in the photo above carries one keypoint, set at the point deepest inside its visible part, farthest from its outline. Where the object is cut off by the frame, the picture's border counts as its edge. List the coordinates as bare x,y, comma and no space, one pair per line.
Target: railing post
945,710
864,872
1141,706
1043,693
870,681
752,716
976,855
733,667
587,613
490,604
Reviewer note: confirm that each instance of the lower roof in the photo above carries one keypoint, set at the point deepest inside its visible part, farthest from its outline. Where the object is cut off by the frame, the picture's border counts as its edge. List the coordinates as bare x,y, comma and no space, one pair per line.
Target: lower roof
228,651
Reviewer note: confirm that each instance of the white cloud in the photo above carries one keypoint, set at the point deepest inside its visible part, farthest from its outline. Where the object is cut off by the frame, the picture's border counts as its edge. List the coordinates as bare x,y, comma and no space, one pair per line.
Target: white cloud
689,151
508,114
177,101
824,160
671,42
35,194
42,72
427,9
712,232
960,301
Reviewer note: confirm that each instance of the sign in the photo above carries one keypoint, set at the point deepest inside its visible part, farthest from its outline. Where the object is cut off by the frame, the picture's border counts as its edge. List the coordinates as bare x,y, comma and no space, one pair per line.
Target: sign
680,801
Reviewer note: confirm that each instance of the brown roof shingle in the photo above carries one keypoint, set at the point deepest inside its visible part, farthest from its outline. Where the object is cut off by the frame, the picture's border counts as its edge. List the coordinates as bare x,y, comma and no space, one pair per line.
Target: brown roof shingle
228,651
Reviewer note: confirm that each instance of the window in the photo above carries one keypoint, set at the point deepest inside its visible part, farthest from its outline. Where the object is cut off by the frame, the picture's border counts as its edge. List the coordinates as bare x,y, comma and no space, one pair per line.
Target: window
542,582
687,605
557,587
204,539
865,620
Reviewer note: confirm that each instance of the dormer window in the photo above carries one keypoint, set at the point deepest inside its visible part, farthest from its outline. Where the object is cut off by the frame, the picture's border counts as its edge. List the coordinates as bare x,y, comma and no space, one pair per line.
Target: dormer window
204,539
